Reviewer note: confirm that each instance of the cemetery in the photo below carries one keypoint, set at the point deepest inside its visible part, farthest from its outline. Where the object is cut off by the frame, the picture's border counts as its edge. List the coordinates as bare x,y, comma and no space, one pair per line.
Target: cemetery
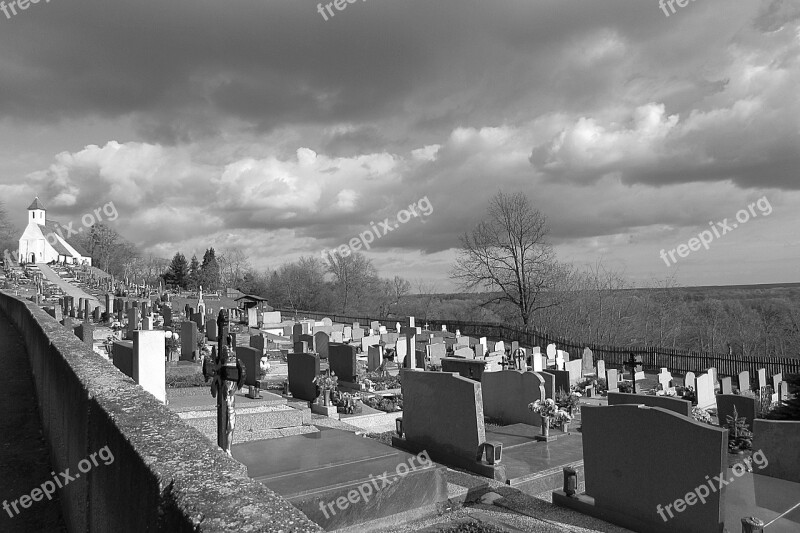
313,410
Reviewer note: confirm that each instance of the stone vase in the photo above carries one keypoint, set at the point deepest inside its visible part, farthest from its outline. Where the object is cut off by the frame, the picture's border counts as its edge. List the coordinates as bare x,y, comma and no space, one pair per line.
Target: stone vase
545,426
326,397
565,427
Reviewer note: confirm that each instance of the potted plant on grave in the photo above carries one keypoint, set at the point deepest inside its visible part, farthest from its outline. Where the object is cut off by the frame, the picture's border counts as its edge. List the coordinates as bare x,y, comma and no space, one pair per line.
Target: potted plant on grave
326,384
547,410
569,402
740,438
563,418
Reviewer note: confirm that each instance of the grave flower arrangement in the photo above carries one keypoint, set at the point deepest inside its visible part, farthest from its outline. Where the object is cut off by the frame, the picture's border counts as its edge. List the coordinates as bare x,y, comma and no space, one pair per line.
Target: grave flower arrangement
545,408
568,402
326,382
347,403
687,393
701,415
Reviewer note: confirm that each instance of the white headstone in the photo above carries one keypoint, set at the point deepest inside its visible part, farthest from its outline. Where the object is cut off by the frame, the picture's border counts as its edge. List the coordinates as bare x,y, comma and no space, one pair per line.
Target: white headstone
665,378
500,347
690,380
601,368
705,392
537,361
551,351
714,378
149,370
397,327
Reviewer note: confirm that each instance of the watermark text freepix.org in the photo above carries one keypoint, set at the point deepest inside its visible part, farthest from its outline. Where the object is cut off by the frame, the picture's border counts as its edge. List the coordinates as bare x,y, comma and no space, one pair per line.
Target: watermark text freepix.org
48,488
719,229
716,483
365,238
340,5
365,491
664,3
88,220
14,4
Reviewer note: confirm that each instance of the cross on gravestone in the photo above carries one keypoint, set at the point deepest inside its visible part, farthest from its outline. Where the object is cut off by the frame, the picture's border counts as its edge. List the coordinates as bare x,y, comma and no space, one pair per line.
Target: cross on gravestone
631,364
228,377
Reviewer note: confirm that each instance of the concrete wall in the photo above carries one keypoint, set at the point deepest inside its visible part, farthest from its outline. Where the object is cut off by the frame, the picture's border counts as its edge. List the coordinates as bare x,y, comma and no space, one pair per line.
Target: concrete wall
166,476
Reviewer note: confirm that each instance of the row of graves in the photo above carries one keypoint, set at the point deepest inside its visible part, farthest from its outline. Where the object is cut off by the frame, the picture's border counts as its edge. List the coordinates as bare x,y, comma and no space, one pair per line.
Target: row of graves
337,478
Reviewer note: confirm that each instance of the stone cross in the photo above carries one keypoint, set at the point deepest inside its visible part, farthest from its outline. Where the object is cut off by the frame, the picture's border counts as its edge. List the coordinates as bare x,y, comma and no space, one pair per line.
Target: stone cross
228,376
632,362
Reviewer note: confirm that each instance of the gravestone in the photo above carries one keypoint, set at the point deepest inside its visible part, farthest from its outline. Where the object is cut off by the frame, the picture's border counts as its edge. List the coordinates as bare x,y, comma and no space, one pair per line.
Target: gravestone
301,347
561,380
133,321
783,391
549,384
297,331
337,337
746,407
166,312
453,428
259,342
343,362
468,368
374,358
480,349
676,405
744,381
466,353
303,368
712,371
506,395
537,362
776,379
726,385
493,363
147,323
665,378
308,339
401,352
559,362
122,357
574,369
347,333
777,441
85,332
374,325
619,445
149,370
612,380
271,317
251,359
211,329
690,380
436,352
500,347
762,378
705,392
199,319
588,362
188,340
370,340
357,333
252,317
411,347
601,368
321,343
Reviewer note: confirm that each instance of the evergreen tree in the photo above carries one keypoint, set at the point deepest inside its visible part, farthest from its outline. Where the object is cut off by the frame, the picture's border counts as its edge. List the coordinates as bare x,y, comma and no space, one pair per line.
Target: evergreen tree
178,272
9,236
209,271
194,273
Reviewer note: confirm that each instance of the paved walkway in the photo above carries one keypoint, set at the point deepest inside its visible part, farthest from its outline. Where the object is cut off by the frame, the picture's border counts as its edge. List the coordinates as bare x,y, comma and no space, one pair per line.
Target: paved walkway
24,458
68,288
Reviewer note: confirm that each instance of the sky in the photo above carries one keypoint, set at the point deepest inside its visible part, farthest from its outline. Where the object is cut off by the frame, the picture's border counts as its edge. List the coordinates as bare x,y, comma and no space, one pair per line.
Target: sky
284,129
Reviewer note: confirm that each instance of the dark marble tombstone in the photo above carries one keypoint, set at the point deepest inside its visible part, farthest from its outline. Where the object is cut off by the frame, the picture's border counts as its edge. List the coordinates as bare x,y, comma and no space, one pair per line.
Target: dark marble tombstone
561,380
211,329
251,359
303,368
85,332
343,362
189,339
468,368
746,407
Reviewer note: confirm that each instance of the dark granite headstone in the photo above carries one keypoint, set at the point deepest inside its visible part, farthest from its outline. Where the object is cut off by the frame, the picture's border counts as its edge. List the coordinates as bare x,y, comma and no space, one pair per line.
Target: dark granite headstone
561,380
85,332
549,383
189,340
122,356
620,445
452,427
251,359
343,361
468,368
303,368
506,395
676,405
321,342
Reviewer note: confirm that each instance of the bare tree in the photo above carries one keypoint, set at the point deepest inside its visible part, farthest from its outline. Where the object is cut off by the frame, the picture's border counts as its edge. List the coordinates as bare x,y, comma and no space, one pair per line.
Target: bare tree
233,265
353,275
508,252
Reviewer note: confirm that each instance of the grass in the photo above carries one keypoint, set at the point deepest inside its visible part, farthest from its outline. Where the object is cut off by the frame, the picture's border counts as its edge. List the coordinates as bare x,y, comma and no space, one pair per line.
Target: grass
385,437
